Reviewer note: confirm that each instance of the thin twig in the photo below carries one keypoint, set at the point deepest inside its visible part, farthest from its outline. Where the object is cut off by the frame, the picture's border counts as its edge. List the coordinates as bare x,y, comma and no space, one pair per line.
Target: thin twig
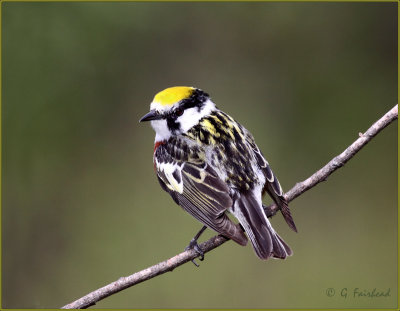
178,260
146,274
338,161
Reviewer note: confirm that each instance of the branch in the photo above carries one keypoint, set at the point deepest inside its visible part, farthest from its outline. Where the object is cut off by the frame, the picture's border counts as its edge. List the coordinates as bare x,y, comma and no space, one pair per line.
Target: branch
339,160
180,259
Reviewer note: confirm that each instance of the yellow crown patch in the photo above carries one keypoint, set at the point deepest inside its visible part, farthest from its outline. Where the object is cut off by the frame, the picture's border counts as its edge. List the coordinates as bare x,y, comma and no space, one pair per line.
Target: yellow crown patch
172,95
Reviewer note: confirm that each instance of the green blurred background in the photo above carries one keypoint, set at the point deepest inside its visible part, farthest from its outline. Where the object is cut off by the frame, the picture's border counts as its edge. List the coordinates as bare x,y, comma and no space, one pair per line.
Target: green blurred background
81,205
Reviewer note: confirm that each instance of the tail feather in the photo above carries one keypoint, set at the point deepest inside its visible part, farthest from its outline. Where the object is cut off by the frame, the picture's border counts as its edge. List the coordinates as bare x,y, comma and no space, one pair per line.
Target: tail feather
266,242
286,214
274,189
280,249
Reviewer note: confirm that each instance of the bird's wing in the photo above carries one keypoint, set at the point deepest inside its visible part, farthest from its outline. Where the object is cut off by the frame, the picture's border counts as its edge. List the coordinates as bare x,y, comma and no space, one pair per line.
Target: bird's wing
196,187
272,186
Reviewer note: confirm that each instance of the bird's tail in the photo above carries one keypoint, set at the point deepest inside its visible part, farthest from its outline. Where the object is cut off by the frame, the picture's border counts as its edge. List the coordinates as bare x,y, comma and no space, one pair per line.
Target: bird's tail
266,242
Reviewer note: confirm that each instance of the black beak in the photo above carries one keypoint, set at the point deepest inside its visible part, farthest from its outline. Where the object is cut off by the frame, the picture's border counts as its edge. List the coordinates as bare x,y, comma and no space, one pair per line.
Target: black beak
152,115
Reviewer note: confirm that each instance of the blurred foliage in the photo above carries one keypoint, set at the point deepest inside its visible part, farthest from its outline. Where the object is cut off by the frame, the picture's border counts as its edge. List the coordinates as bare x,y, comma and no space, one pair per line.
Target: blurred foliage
81,205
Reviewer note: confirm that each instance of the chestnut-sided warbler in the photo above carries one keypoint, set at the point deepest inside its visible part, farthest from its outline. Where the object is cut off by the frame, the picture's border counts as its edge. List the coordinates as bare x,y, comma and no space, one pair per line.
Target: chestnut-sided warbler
211,165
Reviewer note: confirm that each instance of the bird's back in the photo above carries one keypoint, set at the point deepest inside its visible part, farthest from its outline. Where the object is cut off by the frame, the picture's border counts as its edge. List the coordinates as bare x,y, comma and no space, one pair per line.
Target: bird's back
227,146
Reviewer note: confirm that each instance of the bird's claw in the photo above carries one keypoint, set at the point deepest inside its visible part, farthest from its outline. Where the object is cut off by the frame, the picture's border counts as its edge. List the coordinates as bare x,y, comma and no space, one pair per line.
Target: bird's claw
195,246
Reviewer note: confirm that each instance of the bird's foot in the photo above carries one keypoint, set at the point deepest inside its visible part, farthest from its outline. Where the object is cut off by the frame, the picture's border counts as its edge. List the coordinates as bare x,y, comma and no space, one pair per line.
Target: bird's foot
194,245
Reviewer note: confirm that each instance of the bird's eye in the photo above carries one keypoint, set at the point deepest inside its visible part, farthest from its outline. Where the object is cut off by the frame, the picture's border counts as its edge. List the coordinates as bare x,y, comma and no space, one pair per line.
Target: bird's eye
179,112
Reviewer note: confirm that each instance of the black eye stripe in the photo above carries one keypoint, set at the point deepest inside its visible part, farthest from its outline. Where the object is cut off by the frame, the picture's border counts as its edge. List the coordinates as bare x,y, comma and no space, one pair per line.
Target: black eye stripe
172,124
179,112
174,114
197,99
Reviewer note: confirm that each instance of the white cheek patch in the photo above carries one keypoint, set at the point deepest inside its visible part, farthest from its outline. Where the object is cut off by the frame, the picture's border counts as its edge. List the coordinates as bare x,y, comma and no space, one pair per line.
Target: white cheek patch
192,115
189,119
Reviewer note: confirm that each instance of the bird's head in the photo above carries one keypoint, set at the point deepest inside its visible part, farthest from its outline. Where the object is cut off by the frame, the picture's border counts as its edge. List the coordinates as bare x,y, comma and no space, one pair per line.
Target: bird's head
175,110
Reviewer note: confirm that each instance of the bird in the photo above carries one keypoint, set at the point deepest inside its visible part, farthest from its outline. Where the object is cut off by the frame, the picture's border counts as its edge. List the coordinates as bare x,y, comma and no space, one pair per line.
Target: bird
211,166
